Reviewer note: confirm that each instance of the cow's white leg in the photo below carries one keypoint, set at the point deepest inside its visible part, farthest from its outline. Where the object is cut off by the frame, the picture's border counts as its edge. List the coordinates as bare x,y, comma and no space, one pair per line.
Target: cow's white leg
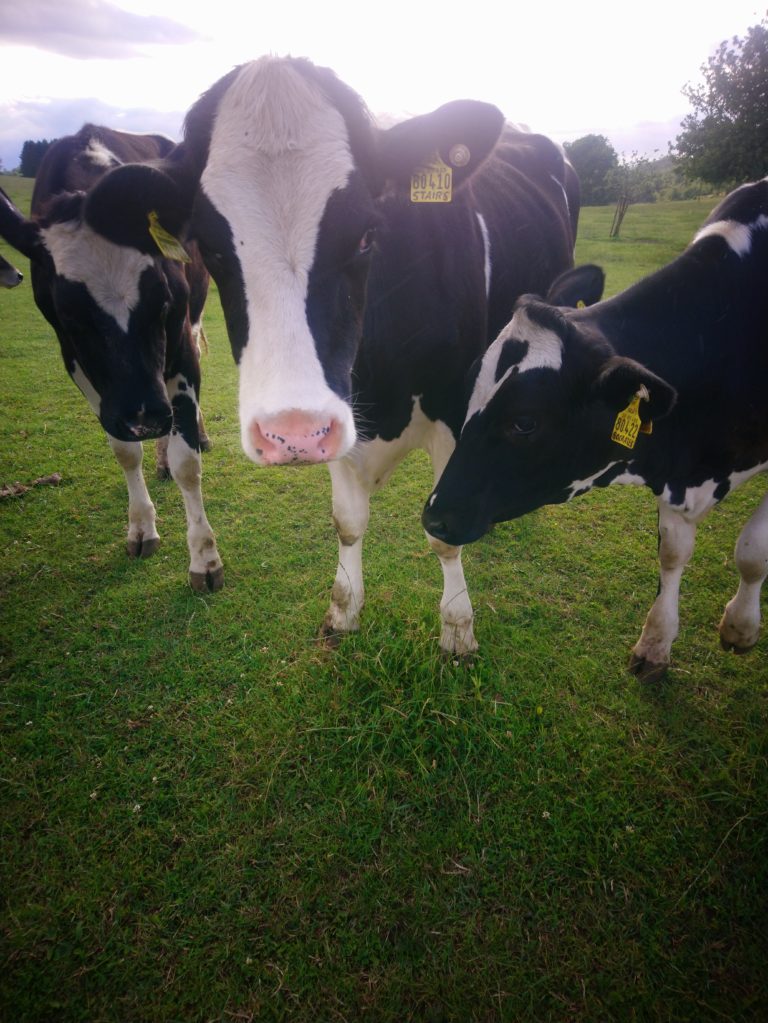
205,567
651,653
143,539
740,625
457,635
351,506
200,342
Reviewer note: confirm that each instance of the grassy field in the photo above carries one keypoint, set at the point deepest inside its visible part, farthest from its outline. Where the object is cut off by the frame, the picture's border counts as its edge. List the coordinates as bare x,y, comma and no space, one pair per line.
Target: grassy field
208,816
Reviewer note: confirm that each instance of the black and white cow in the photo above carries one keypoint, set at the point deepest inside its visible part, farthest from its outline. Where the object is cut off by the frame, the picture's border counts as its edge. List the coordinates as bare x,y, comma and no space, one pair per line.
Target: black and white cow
108,275
10,277
354,306
663,385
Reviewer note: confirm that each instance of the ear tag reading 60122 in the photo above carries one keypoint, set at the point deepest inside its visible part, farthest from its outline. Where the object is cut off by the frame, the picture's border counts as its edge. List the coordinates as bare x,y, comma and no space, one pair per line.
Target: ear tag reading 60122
169,246
628,423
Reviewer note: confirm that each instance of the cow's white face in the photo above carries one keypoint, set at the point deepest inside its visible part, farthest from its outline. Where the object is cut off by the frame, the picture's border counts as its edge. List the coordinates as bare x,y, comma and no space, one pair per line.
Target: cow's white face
278,153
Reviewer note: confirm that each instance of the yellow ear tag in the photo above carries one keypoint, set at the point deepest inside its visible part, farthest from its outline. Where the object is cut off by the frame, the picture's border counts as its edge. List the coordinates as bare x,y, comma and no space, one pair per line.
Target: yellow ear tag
581,304
628,423
433,182
169,246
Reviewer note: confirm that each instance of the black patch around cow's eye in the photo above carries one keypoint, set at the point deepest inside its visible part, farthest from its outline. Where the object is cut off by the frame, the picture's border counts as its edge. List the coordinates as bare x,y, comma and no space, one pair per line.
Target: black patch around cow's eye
522,426
512,353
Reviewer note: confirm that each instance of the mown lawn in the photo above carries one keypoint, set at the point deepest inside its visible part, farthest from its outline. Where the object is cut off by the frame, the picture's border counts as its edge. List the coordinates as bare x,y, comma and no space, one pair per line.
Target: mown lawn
209,816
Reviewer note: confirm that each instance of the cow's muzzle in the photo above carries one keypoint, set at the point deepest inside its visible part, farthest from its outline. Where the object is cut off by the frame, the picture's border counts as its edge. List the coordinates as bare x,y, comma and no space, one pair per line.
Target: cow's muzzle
296,436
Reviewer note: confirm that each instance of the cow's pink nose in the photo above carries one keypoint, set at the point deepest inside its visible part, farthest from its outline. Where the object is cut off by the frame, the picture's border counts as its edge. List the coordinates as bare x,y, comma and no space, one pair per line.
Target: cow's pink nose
295,437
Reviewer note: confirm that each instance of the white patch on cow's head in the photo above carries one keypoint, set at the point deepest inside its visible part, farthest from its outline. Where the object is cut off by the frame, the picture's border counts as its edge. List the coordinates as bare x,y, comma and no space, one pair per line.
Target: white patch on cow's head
544,351
737,236
278,150
100,155
111,273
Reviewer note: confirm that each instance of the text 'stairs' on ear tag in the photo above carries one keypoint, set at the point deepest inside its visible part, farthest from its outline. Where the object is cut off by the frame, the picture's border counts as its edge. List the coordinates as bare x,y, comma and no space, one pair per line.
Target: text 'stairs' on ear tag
169,246
433,182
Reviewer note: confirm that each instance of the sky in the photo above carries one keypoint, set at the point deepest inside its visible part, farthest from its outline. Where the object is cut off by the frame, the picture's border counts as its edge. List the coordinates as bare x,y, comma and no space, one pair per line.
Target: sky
566,69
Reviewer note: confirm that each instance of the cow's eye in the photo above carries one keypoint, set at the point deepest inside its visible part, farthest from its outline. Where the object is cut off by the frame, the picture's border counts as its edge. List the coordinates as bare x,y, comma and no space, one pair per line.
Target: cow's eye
366,242
523,426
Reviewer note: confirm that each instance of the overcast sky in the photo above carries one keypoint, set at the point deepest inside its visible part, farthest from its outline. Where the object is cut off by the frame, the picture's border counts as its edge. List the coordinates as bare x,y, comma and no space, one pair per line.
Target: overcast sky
565,69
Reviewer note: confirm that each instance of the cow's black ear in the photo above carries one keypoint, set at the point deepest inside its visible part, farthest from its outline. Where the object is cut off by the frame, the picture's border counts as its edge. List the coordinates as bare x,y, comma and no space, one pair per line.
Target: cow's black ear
462,134
620,379
579,286
120,204
18,231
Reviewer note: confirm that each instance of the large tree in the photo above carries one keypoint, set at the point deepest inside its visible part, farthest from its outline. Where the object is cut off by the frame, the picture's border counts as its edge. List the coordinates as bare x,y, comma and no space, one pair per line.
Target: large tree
593,158
725,140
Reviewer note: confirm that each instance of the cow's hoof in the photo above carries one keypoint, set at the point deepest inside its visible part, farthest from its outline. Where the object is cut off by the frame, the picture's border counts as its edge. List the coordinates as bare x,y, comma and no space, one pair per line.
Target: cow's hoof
202,582
330,637
163,472
738,639
466,659
735,648
646,671
142,548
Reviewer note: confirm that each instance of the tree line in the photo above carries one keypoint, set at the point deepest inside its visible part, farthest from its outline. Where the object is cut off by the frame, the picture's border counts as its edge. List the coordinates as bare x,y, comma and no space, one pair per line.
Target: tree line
723,141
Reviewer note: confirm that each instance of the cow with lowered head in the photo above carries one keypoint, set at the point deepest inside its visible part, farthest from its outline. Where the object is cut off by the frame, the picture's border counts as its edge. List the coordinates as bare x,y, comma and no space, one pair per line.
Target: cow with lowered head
663,385
120,292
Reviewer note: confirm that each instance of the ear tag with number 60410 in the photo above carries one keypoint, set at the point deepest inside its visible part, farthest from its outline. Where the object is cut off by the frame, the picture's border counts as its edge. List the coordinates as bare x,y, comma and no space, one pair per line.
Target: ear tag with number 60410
628,423
433,182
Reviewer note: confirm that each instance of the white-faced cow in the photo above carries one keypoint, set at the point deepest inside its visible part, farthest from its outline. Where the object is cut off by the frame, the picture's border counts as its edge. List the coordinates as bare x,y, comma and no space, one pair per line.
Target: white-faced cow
10,277
663,385
355,294
109,276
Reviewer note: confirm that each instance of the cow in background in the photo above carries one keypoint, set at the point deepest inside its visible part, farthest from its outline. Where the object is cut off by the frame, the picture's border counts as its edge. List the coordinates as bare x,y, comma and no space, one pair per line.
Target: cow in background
110,276
663,385
10,277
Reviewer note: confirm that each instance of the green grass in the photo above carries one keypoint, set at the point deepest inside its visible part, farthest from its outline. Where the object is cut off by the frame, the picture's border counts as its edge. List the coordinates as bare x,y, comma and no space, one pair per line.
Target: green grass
209,816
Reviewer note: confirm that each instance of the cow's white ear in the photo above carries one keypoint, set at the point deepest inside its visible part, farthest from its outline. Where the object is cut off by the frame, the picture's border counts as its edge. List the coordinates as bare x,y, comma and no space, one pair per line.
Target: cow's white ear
460,135
620,379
